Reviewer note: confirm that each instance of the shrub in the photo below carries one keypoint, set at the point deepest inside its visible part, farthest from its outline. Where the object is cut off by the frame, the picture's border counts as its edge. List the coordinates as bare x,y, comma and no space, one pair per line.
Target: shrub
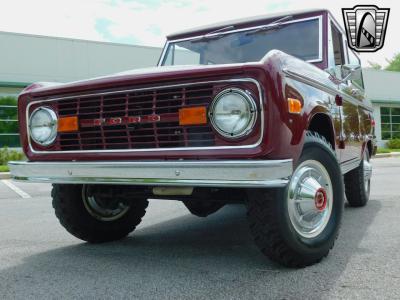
393,144
383,150
4,169
7,155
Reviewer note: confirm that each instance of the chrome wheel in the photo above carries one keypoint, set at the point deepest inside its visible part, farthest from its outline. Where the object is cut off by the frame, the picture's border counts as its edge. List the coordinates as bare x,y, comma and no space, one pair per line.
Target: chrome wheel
102,208
310,198
367,168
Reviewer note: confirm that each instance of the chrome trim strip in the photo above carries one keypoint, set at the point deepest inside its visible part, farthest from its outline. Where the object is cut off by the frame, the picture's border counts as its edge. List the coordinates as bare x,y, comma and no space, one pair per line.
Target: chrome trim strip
328,89
161,58
230,173
319,59
260,96
349,165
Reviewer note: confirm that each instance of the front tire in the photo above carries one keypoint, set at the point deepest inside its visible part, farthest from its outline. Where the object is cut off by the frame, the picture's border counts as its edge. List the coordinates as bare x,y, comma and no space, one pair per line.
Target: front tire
297,226
96,216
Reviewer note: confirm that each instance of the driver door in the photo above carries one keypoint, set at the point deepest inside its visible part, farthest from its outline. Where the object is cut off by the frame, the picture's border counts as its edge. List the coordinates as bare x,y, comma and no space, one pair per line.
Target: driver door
348,129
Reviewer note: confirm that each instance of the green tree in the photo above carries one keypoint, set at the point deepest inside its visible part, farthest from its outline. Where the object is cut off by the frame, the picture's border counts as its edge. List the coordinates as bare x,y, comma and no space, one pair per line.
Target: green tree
394,63
374,65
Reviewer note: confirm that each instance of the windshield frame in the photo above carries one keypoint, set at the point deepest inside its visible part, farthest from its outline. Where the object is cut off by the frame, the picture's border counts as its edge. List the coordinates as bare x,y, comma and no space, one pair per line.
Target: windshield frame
317,60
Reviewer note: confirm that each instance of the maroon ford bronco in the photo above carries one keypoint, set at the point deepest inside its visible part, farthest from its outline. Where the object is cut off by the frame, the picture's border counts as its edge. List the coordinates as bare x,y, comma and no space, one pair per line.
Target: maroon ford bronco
268,111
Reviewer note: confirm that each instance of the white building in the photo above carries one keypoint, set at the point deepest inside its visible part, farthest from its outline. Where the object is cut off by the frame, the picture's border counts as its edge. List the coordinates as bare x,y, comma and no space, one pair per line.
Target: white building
26,58
383,90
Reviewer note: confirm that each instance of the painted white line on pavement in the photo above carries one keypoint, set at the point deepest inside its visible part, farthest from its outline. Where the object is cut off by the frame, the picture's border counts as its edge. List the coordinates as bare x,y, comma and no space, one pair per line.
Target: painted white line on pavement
16,189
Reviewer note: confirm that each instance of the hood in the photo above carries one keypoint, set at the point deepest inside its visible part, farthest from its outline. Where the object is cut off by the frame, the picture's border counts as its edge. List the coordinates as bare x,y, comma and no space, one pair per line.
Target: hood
132,77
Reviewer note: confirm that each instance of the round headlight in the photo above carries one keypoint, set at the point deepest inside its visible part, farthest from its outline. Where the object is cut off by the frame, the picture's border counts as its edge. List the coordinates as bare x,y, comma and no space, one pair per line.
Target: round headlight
233,113
43,126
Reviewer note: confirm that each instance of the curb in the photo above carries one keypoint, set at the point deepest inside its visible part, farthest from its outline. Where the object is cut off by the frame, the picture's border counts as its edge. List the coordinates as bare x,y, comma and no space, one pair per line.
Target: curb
5,175
383,155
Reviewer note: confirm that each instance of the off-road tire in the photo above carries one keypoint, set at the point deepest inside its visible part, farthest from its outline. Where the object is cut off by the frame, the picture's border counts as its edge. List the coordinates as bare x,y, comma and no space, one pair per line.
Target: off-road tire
202,208
74,217
354,186
269,219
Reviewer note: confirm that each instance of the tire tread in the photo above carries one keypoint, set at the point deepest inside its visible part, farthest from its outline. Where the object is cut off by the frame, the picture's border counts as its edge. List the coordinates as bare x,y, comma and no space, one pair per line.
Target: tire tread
264,225
354,187
72,216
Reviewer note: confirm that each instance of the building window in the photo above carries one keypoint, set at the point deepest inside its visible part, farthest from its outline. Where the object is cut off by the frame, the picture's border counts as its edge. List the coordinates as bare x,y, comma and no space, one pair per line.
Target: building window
390,123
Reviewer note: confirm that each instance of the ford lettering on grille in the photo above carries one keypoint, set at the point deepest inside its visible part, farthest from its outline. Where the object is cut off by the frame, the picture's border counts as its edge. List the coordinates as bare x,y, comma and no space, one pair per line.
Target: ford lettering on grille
120,120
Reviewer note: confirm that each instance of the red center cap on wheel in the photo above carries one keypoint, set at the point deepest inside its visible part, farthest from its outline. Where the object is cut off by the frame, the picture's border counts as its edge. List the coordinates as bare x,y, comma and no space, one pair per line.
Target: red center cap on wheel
320,199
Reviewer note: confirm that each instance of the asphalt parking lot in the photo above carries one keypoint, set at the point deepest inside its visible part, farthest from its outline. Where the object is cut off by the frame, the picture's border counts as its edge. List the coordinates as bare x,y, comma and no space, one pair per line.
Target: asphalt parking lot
174,255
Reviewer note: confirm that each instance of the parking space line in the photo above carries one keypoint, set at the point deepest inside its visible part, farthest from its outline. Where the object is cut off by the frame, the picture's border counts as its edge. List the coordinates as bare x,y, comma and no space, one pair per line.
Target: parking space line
16,189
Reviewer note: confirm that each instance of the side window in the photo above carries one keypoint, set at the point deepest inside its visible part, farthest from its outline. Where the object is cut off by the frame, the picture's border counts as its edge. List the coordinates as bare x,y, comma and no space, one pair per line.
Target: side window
357,77
337,42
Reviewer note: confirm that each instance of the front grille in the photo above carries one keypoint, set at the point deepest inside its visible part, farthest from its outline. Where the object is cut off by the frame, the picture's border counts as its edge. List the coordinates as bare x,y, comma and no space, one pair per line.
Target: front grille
166,133
148,118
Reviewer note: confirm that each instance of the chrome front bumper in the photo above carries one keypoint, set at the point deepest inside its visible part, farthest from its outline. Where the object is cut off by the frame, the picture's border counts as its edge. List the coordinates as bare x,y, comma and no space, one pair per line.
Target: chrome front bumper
232,173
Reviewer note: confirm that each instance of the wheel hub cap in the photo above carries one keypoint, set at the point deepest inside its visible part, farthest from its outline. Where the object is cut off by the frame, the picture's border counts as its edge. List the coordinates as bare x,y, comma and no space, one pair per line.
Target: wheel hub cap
310,198
320,199
102,209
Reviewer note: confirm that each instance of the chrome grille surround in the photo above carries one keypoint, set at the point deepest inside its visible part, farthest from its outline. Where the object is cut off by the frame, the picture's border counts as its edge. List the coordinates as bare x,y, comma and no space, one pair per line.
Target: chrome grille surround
239,80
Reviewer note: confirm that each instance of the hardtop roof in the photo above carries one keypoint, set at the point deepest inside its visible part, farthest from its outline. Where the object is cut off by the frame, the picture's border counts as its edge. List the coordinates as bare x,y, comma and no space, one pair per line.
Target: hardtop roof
241,22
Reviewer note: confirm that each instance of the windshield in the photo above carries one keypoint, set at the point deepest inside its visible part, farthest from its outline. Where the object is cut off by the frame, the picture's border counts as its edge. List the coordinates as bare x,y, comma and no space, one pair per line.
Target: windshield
299,38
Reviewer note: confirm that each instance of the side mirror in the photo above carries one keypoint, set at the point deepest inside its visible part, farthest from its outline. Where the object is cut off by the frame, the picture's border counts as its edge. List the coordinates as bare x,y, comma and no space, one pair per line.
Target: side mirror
335,72
331,71
349,72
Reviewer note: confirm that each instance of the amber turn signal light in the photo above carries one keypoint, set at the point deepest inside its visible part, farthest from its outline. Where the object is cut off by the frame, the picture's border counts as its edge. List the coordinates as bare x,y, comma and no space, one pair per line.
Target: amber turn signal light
193,116
68,124
294,105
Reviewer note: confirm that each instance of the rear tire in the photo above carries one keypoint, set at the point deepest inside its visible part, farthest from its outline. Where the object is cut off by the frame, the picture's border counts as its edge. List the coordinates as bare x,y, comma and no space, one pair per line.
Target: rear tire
297,226
88,218
358,182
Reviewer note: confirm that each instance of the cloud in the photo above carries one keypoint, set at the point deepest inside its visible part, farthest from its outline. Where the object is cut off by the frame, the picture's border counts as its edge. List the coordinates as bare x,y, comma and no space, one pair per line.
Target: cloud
151,21
147,22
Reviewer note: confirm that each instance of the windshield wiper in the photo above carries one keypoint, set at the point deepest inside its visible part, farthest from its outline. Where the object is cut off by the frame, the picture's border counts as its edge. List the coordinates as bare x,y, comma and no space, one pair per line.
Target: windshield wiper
213,34
271,26
219,33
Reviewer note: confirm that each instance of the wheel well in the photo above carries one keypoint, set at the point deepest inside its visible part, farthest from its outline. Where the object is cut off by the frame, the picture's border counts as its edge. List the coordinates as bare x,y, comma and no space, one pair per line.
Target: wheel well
322,124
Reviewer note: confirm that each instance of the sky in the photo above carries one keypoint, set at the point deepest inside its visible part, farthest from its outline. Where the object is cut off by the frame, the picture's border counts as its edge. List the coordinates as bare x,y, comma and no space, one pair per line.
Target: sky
147,22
